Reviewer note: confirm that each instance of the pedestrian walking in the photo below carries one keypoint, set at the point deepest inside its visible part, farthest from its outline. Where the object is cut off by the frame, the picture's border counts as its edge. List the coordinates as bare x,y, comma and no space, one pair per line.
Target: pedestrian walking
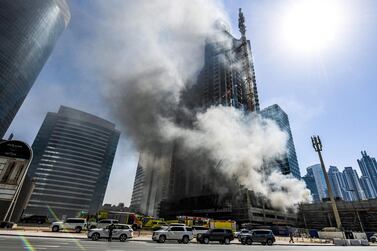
111,228
291,238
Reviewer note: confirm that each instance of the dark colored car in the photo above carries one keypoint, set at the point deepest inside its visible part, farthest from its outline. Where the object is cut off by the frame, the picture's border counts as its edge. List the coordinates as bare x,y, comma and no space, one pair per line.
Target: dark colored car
224,236
263,236
38,219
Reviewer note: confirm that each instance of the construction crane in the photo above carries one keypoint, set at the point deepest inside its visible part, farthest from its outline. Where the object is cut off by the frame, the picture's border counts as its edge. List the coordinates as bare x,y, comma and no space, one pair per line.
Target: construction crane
251,88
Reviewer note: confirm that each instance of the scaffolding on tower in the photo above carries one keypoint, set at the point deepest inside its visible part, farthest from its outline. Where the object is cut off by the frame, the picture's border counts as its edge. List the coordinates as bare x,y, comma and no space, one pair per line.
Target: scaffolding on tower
252,99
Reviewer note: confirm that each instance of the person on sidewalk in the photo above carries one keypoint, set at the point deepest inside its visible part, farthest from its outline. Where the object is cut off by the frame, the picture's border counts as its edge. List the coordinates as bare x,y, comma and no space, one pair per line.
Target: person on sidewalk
111,228
291,238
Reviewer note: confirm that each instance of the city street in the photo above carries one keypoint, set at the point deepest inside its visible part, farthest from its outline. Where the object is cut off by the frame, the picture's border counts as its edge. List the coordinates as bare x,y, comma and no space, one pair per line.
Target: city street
36,243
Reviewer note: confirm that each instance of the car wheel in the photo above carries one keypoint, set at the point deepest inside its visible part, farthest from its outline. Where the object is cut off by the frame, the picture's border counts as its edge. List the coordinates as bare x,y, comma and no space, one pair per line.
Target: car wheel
205,240
373,240
243,242
95,237
55,229
269,242
123,237
162,239
185,239
78,229
226,241
249,241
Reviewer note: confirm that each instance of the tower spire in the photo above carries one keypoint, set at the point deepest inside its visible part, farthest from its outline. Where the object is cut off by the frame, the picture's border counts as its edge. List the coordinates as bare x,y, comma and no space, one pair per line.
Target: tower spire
241,22
251,85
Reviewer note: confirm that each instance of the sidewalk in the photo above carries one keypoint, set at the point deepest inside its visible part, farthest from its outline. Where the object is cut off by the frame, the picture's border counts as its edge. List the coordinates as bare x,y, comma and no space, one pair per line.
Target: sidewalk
146,237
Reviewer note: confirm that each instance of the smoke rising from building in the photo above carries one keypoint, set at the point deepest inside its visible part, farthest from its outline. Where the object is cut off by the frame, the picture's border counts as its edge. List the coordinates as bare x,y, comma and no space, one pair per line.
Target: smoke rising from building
148,53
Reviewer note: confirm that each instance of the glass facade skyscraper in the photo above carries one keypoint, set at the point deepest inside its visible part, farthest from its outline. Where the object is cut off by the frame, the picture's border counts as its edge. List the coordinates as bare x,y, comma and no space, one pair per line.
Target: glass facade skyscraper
316,172
288,164
28,33
73,157
368,167
368,188
353,184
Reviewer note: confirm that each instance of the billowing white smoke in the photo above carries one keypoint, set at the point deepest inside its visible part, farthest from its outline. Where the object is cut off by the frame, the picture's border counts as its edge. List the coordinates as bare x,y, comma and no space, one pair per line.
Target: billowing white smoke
243,144
146,51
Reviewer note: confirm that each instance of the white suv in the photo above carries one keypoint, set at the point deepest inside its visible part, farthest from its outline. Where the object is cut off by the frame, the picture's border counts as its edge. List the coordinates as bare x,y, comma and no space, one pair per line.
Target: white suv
102,223
76,224
120,231
182,234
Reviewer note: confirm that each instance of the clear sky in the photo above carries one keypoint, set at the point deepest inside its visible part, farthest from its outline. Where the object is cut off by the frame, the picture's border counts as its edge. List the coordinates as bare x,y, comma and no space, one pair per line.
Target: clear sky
327,84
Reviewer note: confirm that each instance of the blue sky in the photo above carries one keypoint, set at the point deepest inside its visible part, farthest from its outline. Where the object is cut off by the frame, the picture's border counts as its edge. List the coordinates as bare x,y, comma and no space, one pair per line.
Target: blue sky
331,92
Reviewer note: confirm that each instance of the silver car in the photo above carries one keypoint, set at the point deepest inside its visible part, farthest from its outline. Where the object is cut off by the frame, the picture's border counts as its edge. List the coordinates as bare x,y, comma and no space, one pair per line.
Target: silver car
120,231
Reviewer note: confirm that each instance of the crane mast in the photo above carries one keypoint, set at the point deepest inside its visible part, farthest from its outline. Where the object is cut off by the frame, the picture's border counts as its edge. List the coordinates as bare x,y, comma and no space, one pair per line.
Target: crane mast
252,100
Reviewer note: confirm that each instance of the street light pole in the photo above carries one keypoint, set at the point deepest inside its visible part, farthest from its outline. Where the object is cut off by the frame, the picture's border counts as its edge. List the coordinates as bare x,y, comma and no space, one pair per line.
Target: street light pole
317,145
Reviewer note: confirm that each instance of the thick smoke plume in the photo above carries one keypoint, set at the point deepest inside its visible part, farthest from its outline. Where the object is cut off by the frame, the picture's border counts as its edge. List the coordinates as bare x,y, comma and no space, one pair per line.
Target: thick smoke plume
148,53
243,143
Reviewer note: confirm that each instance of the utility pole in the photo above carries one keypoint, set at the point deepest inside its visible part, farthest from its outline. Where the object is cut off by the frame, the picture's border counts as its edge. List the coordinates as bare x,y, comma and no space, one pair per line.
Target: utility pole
317,145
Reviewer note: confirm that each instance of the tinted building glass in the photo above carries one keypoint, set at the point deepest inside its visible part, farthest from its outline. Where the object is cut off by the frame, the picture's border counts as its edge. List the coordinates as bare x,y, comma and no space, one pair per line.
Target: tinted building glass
28,33
288,163
73,156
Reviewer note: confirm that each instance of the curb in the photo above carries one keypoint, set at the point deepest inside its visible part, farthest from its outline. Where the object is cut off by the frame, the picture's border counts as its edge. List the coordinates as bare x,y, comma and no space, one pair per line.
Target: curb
149,240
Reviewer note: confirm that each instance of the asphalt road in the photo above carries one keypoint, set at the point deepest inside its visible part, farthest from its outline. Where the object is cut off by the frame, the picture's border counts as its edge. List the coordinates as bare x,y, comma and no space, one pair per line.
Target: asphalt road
10,243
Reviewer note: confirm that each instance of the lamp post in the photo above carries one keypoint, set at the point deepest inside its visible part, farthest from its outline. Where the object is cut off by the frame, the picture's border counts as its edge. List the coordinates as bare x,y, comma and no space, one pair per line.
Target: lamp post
317,145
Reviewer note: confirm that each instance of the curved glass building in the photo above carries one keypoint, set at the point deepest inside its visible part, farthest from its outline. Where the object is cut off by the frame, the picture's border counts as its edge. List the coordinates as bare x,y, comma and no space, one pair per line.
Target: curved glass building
28,33
73,157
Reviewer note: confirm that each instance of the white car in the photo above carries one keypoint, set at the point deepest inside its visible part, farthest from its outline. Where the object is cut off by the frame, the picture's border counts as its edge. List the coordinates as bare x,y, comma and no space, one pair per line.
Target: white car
76,224
102,223
198,230
182,234
373,238
241,232
120,231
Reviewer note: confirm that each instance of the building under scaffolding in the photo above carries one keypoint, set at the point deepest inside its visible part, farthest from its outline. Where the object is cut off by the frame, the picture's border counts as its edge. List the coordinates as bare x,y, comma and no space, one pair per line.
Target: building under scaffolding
354,215
196,186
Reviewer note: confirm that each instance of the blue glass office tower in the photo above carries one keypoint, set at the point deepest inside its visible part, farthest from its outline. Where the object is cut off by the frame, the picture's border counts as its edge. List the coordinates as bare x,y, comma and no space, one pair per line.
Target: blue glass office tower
338,184
311,185
288,164
368,167
28,33
315,173
368,188
73,157
353,184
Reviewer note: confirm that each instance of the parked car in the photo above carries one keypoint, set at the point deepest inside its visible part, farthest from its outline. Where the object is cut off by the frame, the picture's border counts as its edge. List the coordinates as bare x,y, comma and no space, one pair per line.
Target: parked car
239,233
76,224
182,234
373,238
102,223
224,236
120,231
263,236
199,230
37,219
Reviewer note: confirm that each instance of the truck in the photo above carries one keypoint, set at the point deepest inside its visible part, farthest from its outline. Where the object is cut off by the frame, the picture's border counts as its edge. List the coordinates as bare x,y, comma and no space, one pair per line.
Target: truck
223,224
